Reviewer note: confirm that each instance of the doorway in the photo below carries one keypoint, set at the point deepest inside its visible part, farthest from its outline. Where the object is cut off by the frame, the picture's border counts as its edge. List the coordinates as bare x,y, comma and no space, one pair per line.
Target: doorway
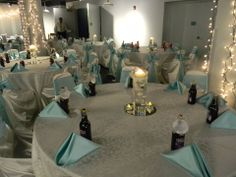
186,23
83,23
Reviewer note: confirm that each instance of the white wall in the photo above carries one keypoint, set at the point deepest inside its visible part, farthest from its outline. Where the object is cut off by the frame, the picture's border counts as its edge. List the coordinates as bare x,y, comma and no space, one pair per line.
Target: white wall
221,39
178,28
48,21
149,23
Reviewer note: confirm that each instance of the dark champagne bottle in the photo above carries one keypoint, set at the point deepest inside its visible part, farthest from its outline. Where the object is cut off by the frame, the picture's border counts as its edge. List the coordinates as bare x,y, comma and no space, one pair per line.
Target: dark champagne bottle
213,110
85,126
130,83
192,94
180,128
92,89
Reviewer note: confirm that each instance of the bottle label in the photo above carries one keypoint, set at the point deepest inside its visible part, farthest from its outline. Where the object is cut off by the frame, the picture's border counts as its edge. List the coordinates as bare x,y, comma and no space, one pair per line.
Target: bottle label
177,141
82,132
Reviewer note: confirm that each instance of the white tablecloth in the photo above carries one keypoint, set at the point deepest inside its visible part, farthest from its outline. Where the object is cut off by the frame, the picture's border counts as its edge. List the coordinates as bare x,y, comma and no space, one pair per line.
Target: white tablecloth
35,78
131,146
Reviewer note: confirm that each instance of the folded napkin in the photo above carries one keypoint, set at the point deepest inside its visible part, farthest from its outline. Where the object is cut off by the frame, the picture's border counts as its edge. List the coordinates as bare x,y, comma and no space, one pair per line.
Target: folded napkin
23,55
72,56
82,90
17,68
191,159
70,62
206,100
73,149
5,84
55,66
53,110
227,120
177,85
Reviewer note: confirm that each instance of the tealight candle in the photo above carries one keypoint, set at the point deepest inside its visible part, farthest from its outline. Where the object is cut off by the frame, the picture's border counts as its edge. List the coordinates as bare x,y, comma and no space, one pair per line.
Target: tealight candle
139,73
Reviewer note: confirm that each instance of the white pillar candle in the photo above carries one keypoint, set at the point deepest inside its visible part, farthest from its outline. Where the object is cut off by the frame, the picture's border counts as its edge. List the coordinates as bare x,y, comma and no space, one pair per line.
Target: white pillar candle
139,73
94,37
152,40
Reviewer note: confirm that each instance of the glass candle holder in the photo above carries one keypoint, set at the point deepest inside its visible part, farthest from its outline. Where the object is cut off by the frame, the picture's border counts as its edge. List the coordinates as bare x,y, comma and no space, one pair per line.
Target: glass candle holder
140,78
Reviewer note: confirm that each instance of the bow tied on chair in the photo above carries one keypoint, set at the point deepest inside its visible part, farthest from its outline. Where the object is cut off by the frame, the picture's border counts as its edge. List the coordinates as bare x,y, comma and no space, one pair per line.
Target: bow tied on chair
180,55
112,50
121,56
87,48
95,70
152,73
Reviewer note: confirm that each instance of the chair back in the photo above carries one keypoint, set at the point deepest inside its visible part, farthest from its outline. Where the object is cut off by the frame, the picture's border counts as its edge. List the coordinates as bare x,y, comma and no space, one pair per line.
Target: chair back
64,79
13,54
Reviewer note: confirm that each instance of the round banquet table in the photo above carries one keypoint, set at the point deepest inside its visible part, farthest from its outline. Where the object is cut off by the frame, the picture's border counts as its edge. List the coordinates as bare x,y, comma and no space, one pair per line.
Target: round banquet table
130,145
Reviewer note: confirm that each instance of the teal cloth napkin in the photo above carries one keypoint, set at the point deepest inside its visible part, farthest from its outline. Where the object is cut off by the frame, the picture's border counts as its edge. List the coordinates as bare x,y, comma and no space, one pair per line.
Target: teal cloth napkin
82,90
5,84
191,159
206,100
55,66
53,110
227,120
177,85
73,149
17,68
70,62
23,55
72,56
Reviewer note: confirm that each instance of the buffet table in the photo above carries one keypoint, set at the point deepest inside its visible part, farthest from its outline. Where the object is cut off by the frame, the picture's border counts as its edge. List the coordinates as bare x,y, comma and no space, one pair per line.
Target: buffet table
131,146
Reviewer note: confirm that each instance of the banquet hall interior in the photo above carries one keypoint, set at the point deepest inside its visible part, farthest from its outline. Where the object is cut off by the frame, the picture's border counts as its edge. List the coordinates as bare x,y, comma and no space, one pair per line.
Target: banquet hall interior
117,88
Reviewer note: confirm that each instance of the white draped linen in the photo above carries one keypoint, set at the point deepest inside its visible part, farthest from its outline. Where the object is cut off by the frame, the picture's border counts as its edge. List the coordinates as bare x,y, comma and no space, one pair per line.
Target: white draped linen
131,146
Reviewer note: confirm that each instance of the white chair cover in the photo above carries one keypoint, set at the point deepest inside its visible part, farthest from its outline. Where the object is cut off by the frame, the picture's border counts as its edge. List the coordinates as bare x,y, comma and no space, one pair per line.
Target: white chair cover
6,140
22,108
10,167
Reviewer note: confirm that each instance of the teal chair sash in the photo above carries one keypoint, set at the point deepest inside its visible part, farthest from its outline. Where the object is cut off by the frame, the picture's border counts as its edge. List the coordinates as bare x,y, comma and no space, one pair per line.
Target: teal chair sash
88,48
95,69
112,54
121,56
152,73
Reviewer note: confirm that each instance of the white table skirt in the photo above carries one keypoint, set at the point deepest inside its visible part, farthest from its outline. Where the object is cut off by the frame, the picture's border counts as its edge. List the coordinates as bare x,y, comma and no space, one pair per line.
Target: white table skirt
131,146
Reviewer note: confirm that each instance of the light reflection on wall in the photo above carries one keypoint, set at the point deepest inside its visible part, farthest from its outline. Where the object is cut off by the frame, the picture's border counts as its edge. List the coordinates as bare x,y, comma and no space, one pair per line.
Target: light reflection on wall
132,28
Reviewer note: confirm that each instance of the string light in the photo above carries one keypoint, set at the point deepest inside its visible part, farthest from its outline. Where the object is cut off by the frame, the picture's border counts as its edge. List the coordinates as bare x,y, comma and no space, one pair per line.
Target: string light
37,31
229,63
211,34
10,14
32,23
24,23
